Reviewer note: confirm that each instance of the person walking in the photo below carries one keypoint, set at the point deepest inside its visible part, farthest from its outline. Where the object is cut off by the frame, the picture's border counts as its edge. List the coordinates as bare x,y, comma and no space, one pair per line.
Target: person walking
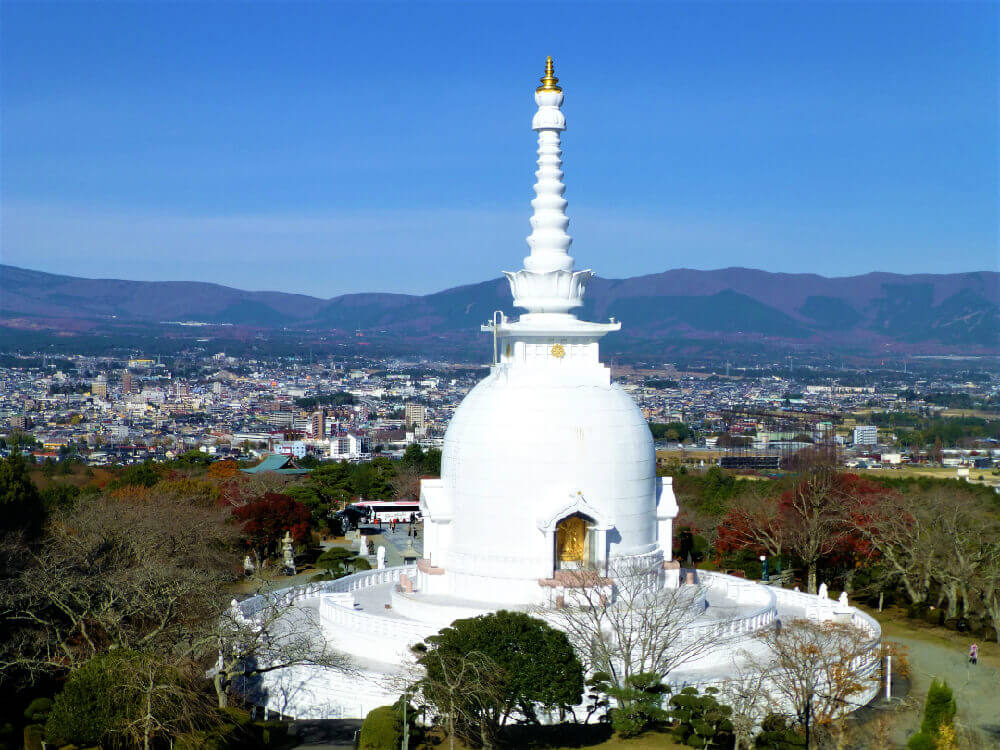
973,654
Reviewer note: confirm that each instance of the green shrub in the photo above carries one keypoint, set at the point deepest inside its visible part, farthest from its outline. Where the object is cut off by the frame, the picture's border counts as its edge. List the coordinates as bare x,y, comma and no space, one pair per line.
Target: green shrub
33,736
271,733
190,741
337,560
775,734
91,705
382,730
640,701
701,720
627,723
921,741
225,737
38,710
236,716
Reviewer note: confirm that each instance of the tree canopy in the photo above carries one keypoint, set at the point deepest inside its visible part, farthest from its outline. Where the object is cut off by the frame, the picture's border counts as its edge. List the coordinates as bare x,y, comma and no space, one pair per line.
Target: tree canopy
266,521
338,398
424,462
675,432
533,663
21,506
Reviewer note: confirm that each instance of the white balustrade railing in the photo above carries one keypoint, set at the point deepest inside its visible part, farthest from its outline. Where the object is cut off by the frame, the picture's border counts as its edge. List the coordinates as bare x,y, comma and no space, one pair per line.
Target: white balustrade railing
742,592
365,579
373,625
821,608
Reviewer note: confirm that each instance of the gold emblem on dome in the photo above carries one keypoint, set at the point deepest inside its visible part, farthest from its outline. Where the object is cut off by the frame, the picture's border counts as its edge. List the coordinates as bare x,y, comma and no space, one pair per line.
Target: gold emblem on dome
549,80
557,351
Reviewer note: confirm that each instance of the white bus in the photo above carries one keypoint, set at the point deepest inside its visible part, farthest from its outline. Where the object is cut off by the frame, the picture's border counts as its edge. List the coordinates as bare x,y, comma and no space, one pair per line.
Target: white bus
389,510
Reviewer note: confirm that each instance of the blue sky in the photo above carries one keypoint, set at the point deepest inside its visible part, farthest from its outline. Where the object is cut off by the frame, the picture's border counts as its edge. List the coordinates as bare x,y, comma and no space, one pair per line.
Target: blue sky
325,147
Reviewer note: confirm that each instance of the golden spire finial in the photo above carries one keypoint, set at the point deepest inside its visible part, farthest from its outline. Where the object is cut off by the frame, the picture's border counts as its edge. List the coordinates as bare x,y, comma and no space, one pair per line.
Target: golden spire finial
549,80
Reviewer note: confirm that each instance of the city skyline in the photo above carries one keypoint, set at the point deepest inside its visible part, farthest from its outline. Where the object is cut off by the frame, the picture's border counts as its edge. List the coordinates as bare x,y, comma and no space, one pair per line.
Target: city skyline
388,146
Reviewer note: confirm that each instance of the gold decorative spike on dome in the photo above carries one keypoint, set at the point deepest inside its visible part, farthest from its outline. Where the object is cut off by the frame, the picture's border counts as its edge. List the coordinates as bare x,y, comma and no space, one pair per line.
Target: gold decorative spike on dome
549,80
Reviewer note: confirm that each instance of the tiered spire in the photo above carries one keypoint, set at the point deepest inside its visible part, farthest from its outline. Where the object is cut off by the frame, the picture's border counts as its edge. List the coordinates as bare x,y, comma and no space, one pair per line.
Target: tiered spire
548,241
548,282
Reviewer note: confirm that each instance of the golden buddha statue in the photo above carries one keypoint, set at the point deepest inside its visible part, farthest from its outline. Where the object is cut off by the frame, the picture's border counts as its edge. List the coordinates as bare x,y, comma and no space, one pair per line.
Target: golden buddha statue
571,535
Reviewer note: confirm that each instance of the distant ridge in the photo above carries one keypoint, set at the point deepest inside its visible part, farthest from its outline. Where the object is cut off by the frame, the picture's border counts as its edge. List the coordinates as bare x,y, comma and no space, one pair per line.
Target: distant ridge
918,312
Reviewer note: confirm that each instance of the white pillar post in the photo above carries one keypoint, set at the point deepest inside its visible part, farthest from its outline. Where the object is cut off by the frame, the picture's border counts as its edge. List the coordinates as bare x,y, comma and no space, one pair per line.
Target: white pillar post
888,677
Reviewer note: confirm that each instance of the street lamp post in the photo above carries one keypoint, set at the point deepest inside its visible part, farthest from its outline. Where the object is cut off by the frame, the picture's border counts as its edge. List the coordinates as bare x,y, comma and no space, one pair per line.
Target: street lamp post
763,561
405,744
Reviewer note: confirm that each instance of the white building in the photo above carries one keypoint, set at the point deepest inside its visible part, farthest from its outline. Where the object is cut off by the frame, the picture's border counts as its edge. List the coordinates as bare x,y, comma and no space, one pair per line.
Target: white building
551,464
350,447
293,448
547,468
866,434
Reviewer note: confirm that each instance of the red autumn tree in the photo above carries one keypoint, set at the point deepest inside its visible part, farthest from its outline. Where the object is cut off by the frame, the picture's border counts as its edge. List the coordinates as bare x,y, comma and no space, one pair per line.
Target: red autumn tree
266,520
753,523
815,520
222,470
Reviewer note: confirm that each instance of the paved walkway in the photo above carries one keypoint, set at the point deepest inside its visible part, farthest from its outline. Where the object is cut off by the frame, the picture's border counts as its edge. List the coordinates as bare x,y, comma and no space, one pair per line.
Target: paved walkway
976,689
332,734
395,542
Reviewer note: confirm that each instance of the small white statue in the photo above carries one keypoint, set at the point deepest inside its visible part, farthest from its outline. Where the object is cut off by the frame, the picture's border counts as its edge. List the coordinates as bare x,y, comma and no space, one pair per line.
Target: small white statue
381,557
248,566
843,599
822,591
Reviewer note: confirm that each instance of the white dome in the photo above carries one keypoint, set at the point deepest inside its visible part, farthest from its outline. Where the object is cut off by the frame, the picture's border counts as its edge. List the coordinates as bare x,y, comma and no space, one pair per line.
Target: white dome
519,457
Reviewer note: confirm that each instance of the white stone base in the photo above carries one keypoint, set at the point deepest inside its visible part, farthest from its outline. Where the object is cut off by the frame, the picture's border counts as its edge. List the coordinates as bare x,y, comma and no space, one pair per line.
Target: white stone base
380,638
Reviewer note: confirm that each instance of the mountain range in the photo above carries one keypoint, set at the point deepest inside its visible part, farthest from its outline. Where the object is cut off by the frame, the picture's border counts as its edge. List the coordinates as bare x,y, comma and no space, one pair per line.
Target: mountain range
873,313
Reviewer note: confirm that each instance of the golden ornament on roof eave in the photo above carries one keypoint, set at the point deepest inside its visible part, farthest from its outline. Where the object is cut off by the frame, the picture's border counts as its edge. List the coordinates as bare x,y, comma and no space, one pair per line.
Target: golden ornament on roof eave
549,80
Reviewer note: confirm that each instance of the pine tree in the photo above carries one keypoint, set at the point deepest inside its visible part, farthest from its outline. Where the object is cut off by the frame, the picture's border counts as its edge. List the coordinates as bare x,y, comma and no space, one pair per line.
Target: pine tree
939,711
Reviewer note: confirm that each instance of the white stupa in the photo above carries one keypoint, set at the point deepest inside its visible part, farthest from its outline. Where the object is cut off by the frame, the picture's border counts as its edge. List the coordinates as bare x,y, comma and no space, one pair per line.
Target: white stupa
548,468
547,464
